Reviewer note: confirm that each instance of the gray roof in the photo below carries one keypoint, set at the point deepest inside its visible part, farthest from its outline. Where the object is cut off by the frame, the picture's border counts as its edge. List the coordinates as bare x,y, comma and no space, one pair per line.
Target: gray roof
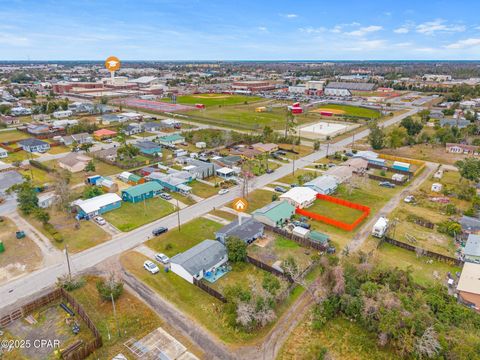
32,142
323,182
147,145
245,231
351,86
470,223
150,125
472,247
460,123
201,257
8,179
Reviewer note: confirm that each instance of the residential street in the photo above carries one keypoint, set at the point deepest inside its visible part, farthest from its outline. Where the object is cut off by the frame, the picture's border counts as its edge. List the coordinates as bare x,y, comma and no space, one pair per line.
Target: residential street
46,277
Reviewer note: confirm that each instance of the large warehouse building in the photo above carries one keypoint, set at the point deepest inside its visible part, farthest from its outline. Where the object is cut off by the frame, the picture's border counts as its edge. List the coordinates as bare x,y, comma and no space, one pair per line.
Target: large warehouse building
346,88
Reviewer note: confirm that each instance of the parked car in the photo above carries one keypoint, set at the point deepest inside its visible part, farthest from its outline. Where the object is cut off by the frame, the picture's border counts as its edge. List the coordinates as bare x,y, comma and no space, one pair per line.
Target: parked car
99,220
331,250
293,185
162,258
159,231
150,267
269,171
302,224
166,196
386,184
223,191
280,189
409,199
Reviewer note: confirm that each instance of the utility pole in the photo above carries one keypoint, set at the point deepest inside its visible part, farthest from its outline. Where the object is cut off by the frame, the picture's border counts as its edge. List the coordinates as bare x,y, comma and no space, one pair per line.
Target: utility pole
68,263
115,314
178,215
353,140
328,147
293,165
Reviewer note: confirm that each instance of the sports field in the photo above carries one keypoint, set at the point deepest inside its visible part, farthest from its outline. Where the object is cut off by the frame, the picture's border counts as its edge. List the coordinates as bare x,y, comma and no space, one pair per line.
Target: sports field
348,110
210,100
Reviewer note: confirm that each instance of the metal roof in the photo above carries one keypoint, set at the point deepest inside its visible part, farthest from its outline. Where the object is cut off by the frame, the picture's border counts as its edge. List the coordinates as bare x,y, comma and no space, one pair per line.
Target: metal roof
472,247
248,228
144,188
201,257
470,278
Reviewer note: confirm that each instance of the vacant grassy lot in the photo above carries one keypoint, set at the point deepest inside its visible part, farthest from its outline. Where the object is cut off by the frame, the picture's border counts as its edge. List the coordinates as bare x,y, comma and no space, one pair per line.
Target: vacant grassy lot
131,216
190,234
58,149
335,211
21,255
39,177
352,110
203,190
343,339
135,320
294,178
12,135
18,156
215,100
85,236
258,198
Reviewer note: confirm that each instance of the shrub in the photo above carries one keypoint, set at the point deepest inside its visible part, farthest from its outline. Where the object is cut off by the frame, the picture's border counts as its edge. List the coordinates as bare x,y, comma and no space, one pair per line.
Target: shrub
237,249
58,237
70,284
271,283
109,288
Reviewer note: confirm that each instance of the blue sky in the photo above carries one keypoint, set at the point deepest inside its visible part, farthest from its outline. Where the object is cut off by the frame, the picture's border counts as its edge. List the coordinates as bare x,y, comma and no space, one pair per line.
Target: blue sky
239,30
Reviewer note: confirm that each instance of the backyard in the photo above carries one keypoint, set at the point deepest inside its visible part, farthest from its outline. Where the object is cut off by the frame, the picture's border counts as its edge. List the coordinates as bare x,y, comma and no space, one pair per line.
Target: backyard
12,135
131,216
18,156
335,211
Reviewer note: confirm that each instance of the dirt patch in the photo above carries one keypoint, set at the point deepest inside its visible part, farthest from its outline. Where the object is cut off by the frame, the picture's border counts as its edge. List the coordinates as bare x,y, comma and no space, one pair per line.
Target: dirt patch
211,96
333,111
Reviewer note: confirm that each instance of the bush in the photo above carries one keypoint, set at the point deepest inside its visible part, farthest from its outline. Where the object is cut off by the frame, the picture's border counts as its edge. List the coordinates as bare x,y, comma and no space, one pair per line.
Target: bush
271,283
109,288
70,284
237,249
58,237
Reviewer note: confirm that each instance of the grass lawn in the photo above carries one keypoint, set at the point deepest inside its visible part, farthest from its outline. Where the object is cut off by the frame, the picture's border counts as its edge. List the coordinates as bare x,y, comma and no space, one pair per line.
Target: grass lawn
422,270
86,236
335,211
224,214
214,100
40,177
293,178
280,248
190,234
342,338
131,216
426,152
184,199
135,320
58,149
302,150
21,255
12,135
18,156
203,190
145,134
257,199
352,110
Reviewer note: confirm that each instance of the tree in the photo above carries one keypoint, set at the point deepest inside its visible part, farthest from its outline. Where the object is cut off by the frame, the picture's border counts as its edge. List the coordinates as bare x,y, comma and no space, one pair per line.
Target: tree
62,191
413,127
469,168
26,197
42,216
90,166
236,249
289,124
376,137
428,345
267,132
128,150
110,288
396,137
86,147
92,191
316,145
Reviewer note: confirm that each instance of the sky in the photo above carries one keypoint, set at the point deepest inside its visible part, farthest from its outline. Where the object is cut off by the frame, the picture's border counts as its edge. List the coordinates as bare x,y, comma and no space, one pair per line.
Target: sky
240,30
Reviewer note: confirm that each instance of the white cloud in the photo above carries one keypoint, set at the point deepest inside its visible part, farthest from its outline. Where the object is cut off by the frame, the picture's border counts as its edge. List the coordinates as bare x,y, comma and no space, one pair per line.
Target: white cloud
289,16
12,40
364,30
438,25
262,28
462,44
401,30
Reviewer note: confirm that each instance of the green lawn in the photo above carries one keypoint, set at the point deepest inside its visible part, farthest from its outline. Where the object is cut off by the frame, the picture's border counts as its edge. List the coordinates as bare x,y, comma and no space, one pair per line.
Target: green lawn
293,178
190,234
214,100
335,211
40,177
58,149
257,199
353,110
12,135
19,156
203,190
423,268
184,199
224,214
131,216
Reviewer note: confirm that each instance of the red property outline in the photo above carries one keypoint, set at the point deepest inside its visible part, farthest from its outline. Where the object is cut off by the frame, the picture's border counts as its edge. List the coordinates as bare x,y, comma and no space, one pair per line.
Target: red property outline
337,223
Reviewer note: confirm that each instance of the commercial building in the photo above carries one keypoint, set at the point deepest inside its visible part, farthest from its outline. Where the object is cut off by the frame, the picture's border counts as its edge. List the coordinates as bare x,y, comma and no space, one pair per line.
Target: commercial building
344,89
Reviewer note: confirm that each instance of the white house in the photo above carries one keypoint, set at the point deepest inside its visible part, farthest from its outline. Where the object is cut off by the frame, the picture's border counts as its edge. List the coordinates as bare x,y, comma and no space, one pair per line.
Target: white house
198,260
62,114
300,196
3,153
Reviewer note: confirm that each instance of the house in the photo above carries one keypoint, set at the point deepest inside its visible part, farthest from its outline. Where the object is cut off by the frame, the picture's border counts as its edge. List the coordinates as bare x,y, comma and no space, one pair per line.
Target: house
38,129
462,149
194,263
225,173
109,154
3,153
103,134
275,214
45,200
142,191
74,162
81,138
170,124
345,171
370,156
246,229
468,286
152,126
149,147
132,129
171,140
113,118
20,111
97,205
197,168
8,179
325,184
34,145
460,123
265,148
471,251
9,120
300,196
132,116
61,114
172,182
470,225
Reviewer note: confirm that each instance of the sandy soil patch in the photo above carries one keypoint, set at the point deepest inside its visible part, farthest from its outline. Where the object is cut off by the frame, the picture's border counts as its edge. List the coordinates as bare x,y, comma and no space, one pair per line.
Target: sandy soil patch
333,111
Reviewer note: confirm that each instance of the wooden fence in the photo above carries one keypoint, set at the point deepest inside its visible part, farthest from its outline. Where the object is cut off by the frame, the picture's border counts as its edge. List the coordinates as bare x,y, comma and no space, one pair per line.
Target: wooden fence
390,169
75,351
209,290
381,178
299,240
424,252
269,268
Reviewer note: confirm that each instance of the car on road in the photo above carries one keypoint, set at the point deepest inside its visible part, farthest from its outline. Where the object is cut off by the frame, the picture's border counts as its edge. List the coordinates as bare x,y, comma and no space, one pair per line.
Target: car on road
386,184
409,199
165,196
269,171
159,231
280,189
99,220
162,258
223,191
150,267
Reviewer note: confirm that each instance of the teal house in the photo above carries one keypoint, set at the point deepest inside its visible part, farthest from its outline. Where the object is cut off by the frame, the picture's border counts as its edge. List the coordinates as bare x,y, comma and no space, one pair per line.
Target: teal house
171,140
274,214
141,192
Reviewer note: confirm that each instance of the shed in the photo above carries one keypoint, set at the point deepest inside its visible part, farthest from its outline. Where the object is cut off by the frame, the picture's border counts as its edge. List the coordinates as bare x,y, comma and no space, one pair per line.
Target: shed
300,232
318,237
403,166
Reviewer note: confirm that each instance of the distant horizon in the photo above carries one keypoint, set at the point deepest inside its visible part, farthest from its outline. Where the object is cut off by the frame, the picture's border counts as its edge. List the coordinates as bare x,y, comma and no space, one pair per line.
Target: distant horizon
252,60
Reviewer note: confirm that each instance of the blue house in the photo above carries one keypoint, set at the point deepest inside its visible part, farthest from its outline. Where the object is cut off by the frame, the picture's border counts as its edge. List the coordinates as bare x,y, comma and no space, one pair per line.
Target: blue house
325,184
142,191
172,182
97,205
171,140
148,147
34,145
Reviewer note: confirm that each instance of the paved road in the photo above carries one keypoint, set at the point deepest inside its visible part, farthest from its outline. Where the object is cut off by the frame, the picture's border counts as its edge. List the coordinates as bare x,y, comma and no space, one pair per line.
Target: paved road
46,277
